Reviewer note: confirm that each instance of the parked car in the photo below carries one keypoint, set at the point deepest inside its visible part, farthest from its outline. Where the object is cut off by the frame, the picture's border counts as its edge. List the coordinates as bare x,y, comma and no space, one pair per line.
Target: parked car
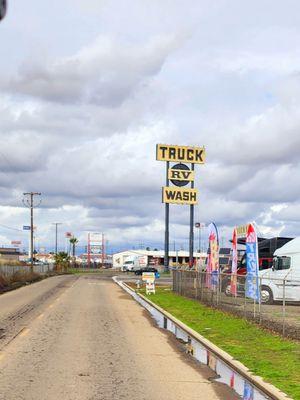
146,269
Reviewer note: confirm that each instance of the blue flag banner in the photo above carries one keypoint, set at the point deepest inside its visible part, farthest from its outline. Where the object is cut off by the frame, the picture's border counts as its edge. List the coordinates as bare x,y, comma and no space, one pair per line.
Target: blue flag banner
248,392
252,284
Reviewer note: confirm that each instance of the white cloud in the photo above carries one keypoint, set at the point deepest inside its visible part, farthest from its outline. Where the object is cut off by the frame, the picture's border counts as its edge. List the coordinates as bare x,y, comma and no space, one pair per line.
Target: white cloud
82,109
106,73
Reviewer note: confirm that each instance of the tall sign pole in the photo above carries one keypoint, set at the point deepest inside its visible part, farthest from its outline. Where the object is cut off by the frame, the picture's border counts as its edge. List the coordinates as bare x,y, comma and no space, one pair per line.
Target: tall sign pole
56,232
180,175
191,244
167,219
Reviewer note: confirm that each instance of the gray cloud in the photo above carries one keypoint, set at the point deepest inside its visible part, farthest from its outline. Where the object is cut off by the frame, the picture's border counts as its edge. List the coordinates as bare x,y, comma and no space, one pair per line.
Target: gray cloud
80,122
106,73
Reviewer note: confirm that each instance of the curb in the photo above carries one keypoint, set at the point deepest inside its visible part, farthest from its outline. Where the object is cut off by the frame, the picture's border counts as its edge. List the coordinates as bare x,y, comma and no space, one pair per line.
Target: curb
266,388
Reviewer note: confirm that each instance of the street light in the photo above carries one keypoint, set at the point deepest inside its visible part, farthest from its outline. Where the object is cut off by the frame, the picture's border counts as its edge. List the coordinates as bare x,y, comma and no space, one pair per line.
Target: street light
56,225
199,225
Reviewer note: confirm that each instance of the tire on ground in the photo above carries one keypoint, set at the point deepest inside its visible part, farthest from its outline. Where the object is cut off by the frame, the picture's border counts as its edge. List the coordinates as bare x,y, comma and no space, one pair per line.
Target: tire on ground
266,295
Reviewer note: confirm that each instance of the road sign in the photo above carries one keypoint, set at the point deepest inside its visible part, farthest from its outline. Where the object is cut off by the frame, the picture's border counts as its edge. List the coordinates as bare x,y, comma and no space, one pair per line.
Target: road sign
16,242
26,228
95,249
179,195
149,278
185,154
95,237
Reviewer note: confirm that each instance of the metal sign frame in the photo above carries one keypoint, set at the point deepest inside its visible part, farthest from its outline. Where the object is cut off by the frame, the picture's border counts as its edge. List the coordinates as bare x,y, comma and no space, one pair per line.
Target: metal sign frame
182,155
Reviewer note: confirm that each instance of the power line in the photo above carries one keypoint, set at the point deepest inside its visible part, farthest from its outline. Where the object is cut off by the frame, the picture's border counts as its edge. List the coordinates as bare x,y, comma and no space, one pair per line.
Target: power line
11,228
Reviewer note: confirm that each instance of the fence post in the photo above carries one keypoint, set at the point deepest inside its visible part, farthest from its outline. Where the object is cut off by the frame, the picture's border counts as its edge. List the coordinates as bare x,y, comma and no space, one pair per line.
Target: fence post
254,302
180,282
245,297
283,310
202,279
259,299
218,285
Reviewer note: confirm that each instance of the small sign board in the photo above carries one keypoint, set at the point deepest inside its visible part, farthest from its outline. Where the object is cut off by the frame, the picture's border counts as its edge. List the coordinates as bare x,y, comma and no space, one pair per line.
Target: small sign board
179,195
95,237
143,261
95,249
26,228
149,278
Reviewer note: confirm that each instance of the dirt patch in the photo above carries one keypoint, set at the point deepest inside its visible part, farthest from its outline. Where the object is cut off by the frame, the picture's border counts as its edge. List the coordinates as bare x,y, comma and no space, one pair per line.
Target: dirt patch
17,280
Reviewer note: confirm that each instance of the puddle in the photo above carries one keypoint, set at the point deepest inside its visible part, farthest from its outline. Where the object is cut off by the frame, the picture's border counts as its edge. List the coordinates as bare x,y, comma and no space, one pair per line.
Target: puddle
225,374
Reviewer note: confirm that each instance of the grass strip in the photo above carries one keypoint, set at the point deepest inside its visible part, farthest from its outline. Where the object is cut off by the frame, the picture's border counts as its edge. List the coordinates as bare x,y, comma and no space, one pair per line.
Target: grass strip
275,359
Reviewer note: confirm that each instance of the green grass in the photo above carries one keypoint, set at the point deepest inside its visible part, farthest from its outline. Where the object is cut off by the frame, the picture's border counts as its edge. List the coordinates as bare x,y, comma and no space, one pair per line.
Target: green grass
88,271
275,359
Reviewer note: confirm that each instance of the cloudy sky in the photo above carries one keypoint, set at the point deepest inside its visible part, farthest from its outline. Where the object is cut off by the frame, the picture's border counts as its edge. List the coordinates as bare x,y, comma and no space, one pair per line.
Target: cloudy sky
88,87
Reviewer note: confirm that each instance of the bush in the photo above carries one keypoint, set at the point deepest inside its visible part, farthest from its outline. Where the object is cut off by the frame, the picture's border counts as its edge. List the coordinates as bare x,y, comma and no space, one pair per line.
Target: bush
18,277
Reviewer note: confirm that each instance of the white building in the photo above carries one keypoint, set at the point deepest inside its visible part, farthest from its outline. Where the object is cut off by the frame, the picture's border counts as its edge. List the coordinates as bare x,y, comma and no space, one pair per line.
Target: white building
156,258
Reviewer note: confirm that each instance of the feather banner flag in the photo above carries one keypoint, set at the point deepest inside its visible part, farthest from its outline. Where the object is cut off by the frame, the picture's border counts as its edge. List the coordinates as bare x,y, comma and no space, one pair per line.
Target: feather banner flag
252,284
233,281
212,270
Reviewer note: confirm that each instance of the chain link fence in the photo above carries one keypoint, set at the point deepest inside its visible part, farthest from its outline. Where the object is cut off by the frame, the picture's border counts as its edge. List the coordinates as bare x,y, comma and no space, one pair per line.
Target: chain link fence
276,309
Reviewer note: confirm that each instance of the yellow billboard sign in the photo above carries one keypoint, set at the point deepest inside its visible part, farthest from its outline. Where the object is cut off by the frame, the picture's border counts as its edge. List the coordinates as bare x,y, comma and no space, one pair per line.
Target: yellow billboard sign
242,230
187,154
177,195
148,276
181,175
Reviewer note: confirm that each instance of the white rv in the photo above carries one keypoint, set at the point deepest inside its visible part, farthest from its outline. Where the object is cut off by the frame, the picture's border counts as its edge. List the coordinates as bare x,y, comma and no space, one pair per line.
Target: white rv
283,279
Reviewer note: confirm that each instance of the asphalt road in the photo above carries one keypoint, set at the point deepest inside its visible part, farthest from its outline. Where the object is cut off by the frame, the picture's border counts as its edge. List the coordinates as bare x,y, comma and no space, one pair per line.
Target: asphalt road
83,338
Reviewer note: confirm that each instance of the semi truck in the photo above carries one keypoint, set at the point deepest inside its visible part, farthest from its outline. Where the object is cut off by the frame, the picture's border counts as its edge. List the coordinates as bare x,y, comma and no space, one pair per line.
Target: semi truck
134,263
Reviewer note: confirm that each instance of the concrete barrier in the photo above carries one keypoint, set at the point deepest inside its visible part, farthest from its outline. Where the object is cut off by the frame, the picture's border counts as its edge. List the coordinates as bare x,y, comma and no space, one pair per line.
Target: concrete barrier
232,372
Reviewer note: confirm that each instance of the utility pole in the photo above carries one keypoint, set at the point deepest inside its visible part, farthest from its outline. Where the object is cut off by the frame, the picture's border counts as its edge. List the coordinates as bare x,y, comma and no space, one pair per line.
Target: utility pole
28,201
56,225
103,249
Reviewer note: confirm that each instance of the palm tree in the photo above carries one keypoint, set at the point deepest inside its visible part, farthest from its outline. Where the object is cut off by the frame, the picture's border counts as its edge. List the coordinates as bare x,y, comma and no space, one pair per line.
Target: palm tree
61,261
73,242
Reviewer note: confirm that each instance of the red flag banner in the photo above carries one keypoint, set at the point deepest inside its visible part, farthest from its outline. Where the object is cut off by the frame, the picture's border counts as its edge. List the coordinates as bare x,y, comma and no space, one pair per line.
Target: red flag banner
233,283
